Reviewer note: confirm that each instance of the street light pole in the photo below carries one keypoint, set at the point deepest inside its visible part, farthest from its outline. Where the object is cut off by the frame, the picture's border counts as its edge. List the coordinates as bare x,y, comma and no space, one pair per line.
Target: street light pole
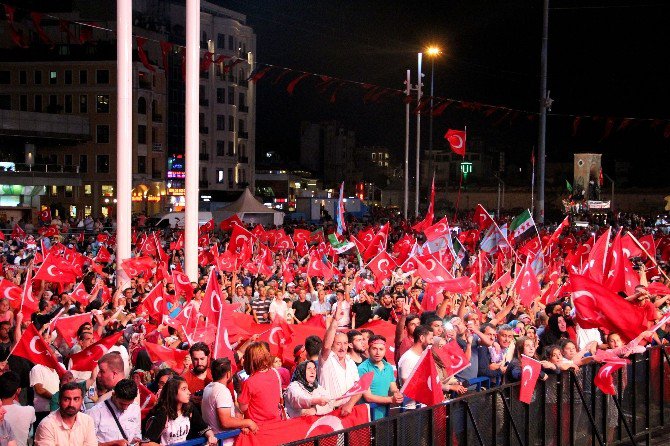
545,103
418,136
430,116
408,86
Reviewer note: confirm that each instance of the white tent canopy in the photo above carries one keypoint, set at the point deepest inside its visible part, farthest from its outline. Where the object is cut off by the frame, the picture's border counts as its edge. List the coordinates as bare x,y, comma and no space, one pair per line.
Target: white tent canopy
250,210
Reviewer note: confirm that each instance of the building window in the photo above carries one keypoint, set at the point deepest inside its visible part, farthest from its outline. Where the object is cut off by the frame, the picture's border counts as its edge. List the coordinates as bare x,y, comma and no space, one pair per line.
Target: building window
231,148
374,156
141,134
38,103
231,42
88,189
231,123
102,76
220,148
87,211
83,103
231,95
141,164
83,77
220,176
53,77
220,122
83,163
221,41
240,126
68,77
102,103
23,102
220,95
23,77
73,211
5,102
38,77
68,103
142,106
54,191
102,134
5,77
67,160
53,104
102,164
69,191
230,177
107,190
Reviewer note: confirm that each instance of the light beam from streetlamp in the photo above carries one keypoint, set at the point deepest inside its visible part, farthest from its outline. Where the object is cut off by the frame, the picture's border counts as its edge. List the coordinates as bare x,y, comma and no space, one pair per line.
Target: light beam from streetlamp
433,51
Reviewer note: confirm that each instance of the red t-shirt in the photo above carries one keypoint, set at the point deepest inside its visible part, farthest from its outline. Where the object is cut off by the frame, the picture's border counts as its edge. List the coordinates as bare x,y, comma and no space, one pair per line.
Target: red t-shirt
196,384
261,393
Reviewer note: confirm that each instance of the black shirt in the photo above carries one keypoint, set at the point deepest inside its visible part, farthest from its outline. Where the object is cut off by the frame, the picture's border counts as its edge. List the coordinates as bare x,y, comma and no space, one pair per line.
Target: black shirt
383,313
301,309
363,312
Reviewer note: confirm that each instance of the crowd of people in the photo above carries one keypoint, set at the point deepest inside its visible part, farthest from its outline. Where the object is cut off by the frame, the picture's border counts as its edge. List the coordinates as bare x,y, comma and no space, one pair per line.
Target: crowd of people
301,336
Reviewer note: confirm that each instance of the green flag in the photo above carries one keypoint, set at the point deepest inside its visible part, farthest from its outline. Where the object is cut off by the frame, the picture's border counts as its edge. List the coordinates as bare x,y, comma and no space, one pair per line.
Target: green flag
568,186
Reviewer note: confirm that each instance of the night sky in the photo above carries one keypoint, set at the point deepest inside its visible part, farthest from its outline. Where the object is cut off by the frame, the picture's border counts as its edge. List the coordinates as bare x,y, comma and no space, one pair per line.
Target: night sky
607,58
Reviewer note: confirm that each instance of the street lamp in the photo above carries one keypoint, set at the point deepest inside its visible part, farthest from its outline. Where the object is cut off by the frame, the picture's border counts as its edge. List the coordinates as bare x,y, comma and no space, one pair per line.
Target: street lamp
432,52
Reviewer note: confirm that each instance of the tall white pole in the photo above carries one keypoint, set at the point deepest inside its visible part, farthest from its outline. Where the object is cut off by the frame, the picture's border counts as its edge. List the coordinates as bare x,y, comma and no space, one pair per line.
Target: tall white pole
124,138
192,137
545,102
408,86
418,138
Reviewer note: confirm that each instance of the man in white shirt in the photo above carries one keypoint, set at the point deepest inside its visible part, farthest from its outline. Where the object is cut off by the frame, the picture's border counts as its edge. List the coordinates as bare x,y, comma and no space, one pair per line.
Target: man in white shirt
119,410
423,337
45,382
218,407
278,307
19,417
337,372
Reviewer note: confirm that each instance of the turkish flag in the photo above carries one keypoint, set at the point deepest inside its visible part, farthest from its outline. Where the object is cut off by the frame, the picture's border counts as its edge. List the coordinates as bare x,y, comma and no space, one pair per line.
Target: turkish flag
502,282
527,286
365,236
531,247
172,357
32,347
658,289
45,215
275,433
227,261
453,358
213,298
278,334
10,292
301,236
147,400
18,232
439,229
228,223
598,307
239,238
154,304
530,372
423,384
148,246
207,227
103,255
456,140
595,267
430,213
48,231
67,326
482,217
225,329
283,241
87,359
182,285
28,303
188,316
317,268
557,233
431,269
382,266
378,243
615,279
603,378
361,386
138,265
56,269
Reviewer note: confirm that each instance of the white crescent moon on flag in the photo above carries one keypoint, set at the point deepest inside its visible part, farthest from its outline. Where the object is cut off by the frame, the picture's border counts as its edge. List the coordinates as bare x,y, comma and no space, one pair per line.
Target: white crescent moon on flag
646,245
160,298
226,340
272,335
583,293
456,141
530,374
381,268
606,371
329,420
50,271
33,347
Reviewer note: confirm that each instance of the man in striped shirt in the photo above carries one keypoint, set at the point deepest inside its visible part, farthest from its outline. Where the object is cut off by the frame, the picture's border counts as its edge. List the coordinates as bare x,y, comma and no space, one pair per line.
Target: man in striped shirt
260,308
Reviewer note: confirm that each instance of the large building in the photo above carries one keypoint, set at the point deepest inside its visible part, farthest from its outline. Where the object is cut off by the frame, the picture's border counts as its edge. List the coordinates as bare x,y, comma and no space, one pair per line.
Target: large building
327,149
72,81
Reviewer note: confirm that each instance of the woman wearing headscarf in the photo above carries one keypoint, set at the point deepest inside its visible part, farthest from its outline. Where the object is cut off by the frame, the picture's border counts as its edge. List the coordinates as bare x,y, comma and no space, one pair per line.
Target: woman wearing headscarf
304,396
555,331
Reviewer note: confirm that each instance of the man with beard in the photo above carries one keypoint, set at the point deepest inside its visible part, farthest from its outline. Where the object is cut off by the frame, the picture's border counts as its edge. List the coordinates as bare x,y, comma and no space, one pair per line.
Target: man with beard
357,351
199,376
67,425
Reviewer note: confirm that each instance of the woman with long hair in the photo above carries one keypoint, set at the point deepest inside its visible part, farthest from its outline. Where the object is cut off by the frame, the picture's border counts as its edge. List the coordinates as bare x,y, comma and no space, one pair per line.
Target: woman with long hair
261,396
174,419
304,396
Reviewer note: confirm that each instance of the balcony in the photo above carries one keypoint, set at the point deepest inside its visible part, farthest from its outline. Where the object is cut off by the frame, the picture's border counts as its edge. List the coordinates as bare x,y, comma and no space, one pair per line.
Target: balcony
244,108
243,135
204,130
155,117
203,183
204,157
243,159
204,102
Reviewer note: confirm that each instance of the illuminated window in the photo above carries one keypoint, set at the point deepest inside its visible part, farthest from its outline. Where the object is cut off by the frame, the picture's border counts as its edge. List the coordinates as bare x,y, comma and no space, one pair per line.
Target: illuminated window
102,103
88,189
54,191
53,77
73,211
107,190
87,211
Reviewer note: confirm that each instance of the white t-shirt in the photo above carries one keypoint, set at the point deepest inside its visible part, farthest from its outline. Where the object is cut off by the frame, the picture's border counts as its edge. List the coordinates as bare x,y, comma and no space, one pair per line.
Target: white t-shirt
336,379
346,308
176,430
20,418
278,308
216,396
49,379
406,364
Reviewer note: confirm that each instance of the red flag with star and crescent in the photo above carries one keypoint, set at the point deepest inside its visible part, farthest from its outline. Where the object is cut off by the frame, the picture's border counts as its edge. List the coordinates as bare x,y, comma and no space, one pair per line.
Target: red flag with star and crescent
530,372
604,379
32,347
423,384
87,359
456,140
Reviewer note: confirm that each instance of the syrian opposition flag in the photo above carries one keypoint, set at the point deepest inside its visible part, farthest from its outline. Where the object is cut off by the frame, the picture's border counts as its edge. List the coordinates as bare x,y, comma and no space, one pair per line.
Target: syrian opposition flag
32,347
522,227
603,378
286,431
423,384
87,359
530,372
361,386
341,224
339,246
456,140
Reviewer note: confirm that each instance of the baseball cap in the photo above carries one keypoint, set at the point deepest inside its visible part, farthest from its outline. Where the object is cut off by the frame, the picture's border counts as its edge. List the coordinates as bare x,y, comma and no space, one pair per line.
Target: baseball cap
290,284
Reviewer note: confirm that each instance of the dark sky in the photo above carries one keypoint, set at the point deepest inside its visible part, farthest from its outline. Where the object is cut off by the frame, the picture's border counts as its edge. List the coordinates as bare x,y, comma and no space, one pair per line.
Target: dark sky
606,58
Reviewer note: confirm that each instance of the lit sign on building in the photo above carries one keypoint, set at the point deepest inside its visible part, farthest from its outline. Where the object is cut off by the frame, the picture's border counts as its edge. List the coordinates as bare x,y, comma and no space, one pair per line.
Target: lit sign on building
466,169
